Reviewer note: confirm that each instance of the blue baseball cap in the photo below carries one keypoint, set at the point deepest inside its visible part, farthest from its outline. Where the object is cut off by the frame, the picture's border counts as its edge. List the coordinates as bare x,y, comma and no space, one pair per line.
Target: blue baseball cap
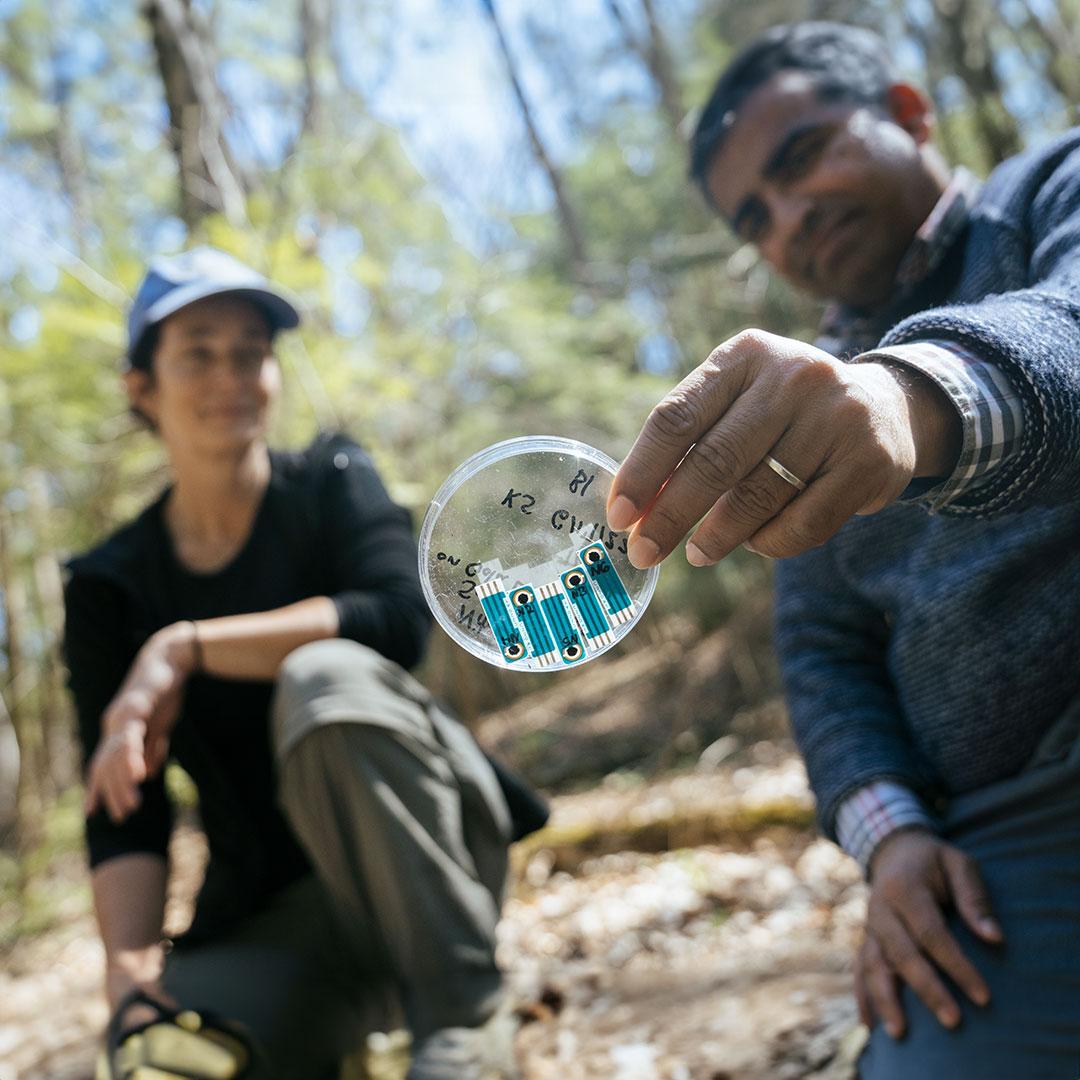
174,281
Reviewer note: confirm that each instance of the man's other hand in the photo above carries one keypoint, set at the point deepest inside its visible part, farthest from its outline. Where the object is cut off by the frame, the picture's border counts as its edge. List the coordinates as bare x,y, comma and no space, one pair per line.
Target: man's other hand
854,434
914,879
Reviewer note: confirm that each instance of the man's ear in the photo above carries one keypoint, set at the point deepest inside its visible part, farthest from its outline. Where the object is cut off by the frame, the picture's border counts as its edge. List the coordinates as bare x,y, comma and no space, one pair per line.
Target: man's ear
139,385
912,110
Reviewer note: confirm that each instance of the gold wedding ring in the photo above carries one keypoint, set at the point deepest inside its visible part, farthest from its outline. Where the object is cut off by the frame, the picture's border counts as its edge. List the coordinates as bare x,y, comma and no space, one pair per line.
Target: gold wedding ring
785,474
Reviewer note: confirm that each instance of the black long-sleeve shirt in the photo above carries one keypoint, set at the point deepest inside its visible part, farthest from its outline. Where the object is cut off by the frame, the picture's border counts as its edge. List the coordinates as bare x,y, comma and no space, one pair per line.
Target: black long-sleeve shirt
325,527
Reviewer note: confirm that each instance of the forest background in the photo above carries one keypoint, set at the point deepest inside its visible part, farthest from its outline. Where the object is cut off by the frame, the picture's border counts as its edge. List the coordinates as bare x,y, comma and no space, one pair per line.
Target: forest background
485,210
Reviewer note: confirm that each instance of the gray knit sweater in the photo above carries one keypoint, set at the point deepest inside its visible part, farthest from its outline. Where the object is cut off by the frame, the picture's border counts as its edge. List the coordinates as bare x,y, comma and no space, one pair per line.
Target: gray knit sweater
937,649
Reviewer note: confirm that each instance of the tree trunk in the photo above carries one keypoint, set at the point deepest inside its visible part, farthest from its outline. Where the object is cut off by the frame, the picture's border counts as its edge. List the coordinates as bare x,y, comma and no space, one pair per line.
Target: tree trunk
69,161
1062,46
568,220
9,780
967,44
29,803
56,717
210,180
934,77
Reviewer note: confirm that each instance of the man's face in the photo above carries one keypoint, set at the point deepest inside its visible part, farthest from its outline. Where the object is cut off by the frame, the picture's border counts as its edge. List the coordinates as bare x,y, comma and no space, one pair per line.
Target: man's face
831,193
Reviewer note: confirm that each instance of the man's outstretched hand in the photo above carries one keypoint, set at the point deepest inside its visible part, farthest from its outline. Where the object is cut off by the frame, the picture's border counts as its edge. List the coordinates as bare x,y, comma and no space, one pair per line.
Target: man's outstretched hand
856,434
915,878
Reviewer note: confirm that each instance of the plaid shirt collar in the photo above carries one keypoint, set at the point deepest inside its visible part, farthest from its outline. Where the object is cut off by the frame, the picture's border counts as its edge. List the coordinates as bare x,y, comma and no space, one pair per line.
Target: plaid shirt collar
841,324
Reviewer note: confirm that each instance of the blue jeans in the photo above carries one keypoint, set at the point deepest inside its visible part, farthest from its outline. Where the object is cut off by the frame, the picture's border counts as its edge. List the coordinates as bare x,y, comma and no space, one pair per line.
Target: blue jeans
1025,834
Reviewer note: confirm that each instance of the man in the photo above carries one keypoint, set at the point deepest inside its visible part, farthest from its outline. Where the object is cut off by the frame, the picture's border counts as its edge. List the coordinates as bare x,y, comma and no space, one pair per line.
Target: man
923,464
255,622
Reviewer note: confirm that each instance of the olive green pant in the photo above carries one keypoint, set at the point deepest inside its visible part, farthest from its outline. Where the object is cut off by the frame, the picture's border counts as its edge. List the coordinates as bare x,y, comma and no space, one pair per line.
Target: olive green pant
407,830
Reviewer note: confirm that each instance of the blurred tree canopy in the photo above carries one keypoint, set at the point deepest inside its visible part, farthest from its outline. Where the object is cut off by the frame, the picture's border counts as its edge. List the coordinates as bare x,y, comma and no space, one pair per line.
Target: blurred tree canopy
483,205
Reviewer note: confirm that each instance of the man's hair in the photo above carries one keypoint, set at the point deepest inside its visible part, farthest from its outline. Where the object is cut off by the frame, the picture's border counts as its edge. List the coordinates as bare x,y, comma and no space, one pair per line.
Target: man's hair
846,63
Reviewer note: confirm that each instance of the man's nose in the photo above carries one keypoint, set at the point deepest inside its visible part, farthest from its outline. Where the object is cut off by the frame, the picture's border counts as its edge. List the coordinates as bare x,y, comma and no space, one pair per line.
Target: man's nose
788,215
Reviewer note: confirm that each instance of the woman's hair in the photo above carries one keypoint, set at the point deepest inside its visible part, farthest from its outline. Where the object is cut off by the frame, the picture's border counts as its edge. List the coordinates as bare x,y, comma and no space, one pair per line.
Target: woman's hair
141,358
846,63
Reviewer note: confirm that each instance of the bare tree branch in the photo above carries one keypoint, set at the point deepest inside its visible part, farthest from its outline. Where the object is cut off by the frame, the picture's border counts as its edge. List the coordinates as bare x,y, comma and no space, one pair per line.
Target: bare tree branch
658,60
656,57
39,241
571,228
314,27
68,156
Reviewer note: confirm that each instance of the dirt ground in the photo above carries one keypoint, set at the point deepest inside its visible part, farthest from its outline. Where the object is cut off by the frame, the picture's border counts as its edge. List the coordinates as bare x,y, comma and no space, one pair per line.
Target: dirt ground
678,919
723,961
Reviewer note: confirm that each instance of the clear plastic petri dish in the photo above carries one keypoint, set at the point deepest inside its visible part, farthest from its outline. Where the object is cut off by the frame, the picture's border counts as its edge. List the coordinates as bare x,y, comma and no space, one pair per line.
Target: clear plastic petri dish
517,561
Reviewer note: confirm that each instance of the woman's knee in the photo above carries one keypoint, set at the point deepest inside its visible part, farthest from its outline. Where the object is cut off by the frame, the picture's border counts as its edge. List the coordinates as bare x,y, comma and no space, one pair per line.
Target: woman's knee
340,681
317,664
311,679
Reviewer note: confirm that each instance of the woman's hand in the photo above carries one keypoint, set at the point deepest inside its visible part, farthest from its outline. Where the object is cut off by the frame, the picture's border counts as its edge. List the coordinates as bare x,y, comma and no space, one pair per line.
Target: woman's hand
136,726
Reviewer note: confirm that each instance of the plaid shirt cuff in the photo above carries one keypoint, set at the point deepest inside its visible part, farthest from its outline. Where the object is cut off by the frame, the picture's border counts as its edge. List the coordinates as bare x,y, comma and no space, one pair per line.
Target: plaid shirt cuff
990,410
873,812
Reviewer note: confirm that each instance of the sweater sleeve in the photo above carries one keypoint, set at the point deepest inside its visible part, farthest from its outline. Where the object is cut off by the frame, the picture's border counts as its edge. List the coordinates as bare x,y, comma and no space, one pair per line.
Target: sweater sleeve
98,655
845,715
372,556
1032,335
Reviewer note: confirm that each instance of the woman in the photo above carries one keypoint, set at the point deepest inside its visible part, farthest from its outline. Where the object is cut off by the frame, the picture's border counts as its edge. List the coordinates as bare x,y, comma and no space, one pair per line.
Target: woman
254,622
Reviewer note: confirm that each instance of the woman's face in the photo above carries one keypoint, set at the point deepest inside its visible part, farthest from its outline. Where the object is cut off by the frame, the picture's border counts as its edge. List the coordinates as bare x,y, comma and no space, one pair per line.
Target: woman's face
214,376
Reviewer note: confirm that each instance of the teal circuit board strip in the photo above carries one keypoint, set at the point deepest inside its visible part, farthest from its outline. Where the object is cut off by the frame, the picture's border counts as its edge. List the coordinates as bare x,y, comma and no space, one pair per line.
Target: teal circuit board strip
568,640
527,609
502,624
605,577
590,613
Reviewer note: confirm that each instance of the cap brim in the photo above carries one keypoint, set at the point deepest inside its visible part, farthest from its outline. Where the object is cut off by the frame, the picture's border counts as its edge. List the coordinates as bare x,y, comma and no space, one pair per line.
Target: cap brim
283,313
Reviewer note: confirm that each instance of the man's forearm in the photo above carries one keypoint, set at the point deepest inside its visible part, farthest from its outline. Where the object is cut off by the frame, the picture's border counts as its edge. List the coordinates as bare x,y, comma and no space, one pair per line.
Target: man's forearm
251,646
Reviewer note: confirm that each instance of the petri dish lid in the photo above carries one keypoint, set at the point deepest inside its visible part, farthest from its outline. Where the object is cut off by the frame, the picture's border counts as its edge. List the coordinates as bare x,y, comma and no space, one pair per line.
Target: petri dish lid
517,562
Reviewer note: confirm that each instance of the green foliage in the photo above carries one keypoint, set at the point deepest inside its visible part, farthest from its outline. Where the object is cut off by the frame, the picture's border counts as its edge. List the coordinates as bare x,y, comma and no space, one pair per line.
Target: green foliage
36,889
425,338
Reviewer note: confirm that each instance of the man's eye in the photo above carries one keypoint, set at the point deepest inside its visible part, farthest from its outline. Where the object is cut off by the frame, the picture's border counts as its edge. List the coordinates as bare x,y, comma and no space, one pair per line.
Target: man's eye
753,227
802,156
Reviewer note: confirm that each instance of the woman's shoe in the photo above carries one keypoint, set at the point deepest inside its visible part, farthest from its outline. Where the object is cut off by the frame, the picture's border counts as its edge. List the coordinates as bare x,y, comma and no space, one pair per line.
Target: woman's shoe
177,1044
